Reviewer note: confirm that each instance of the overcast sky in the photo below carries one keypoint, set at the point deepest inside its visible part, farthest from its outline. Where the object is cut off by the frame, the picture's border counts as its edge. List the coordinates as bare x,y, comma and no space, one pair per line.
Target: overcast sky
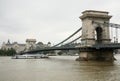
48,20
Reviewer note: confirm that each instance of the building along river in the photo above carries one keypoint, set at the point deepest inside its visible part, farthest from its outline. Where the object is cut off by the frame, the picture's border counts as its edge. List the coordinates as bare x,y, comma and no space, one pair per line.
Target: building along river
58,68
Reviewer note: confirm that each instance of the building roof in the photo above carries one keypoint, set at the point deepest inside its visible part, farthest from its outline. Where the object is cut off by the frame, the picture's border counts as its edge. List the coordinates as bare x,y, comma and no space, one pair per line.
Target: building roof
30,40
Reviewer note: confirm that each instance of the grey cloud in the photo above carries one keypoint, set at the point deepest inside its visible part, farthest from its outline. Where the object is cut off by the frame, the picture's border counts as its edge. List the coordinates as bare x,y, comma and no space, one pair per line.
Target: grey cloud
47,20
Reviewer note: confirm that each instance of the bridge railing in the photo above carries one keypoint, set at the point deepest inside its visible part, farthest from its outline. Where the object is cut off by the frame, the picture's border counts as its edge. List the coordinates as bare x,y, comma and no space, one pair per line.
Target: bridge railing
83,45
109,45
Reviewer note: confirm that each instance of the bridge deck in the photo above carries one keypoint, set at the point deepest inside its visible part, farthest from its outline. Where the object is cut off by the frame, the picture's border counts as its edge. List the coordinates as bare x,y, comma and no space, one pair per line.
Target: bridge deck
110,46
107,46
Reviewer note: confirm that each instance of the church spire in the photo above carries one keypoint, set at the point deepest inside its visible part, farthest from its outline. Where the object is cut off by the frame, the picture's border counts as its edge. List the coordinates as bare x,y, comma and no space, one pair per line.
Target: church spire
8,41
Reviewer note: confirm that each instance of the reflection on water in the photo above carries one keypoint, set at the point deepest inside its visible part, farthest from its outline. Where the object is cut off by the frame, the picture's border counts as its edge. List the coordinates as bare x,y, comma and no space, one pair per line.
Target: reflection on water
58,68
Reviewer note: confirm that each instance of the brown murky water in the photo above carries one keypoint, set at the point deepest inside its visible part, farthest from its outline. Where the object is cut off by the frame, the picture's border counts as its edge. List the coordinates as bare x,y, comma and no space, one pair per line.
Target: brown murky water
58,68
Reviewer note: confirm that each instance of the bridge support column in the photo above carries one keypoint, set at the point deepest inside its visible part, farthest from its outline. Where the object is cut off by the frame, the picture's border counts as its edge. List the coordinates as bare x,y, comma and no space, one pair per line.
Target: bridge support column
98,55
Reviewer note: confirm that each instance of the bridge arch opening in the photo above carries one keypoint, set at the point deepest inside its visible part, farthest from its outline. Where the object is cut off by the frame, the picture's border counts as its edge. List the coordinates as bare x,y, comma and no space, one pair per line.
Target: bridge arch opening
98,35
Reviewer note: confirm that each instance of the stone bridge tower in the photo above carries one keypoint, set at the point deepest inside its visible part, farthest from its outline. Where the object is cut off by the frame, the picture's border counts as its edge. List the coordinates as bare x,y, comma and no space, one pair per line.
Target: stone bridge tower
95,30
95,33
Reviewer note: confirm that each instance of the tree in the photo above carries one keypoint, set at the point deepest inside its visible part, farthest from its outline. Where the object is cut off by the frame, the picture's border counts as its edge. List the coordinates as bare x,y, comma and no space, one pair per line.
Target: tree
60,53
9,52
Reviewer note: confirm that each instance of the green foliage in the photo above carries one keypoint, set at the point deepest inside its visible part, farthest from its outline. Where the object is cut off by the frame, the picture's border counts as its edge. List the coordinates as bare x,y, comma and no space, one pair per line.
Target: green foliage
9,52
60,53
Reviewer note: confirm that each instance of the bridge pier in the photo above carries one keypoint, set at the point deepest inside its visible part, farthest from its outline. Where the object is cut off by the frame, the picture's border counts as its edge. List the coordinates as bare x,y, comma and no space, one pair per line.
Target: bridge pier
97,55
95,34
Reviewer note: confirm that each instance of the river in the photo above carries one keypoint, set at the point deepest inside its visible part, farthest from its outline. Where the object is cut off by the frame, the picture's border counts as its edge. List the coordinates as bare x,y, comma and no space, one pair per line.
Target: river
58,68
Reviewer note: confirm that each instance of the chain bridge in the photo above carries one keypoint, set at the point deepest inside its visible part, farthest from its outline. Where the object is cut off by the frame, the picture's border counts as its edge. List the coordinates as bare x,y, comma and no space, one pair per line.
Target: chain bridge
96,41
